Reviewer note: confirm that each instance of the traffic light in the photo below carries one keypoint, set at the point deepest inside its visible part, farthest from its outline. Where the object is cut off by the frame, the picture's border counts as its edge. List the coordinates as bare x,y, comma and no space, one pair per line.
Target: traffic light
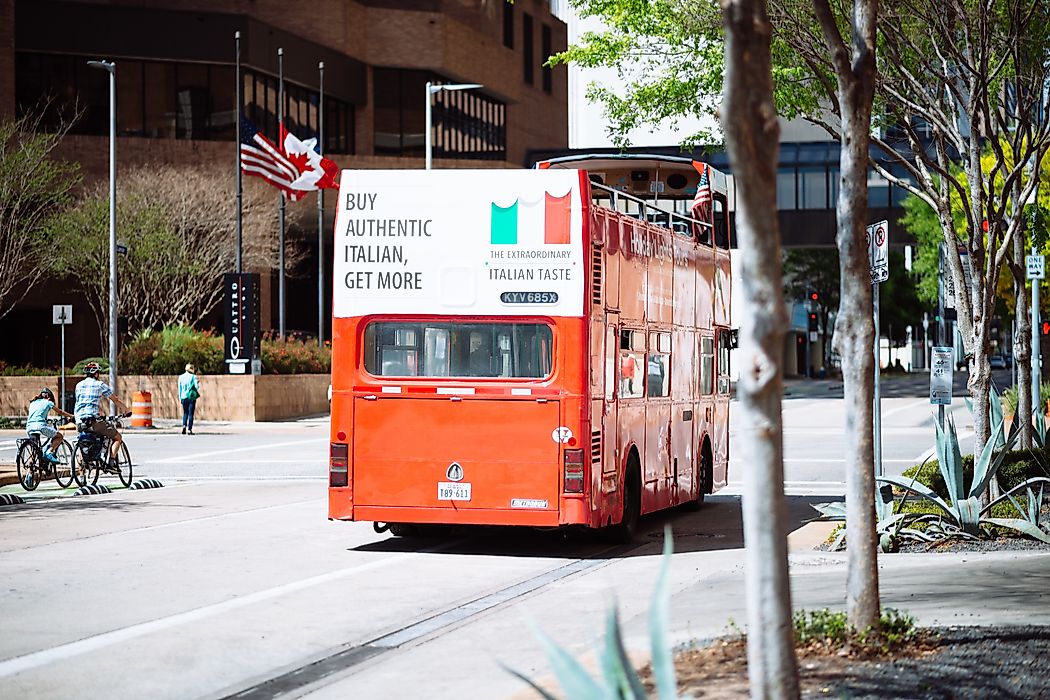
1046,327
814,297
812,322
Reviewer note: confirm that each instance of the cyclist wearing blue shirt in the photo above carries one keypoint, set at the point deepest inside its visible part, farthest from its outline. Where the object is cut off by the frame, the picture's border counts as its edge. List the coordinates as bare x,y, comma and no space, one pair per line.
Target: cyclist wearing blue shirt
36,422
89,392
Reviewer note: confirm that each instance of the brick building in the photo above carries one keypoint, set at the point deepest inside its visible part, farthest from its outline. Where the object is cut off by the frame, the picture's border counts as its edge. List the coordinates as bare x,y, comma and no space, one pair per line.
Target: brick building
176,96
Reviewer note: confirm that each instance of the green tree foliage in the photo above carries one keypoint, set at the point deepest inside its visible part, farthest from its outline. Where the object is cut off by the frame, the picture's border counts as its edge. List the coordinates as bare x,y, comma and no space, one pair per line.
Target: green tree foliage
178,226
34,187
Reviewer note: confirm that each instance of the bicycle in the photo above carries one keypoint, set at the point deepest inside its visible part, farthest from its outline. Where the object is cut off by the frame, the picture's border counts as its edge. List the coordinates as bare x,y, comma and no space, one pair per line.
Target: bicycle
33,468
91,456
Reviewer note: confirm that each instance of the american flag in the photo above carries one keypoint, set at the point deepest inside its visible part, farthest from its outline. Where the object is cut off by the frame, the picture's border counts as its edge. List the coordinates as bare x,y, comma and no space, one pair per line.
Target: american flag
260,157
701,207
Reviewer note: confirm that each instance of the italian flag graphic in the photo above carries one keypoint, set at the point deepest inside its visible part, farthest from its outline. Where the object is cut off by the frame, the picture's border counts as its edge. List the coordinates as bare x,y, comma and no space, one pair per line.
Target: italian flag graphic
556,212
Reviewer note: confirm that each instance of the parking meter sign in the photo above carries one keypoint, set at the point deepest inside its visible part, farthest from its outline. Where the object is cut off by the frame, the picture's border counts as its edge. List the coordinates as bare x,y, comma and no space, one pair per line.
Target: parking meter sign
941,370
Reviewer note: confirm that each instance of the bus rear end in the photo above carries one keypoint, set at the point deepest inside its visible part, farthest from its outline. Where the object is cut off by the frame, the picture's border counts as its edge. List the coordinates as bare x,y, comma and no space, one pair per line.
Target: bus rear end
458,386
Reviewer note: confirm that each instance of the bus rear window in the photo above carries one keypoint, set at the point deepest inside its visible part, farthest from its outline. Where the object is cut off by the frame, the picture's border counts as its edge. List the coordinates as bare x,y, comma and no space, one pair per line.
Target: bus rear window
428,349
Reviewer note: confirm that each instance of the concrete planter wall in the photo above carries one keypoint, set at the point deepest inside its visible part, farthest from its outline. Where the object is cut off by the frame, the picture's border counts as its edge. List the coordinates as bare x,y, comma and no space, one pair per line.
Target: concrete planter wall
223,397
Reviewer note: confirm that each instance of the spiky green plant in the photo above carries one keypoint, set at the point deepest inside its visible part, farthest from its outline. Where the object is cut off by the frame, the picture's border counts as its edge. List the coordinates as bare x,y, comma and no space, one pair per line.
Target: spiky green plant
965,516
618,679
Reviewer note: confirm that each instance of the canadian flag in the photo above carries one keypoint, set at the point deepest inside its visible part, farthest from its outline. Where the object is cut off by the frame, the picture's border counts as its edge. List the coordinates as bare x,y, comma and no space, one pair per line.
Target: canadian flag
315,171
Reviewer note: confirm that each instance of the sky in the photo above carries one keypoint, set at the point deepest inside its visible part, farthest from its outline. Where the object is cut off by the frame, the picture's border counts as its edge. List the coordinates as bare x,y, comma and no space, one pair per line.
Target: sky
587,122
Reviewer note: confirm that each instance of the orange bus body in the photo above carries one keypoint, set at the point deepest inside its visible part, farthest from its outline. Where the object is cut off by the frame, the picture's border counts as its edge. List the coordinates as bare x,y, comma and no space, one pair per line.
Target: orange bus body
638,380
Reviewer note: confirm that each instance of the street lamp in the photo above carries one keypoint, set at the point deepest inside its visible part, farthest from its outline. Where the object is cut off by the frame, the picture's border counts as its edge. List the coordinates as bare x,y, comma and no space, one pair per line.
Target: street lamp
111,68
431,90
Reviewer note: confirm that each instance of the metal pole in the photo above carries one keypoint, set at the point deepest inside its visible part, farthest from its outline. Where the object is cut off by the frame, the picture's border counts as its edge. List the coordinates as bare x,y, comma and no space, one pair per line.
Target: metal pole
877,413
320,213
426,135
113,226
240,196
62,386
1036,355
280,233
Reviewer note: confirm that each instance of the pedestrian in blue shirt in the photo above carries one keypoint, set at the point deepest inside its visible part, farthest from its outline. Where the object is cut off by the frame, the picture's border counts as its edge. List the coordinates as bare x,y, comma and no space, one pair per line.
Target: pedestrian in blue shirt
36,421
189,392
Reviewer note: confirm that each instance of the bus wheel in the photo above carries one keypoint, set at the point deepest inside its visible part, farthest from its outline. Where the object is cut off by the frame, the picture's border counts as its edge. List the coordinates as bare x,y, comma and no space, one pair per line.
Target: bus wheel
703,477
624,531
403,530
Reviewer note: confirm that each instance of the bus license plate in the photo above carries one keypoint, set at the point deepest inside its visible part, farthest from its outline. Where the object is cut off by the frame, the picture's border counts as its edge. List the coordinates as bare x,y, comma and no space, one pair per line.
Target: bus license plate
453,491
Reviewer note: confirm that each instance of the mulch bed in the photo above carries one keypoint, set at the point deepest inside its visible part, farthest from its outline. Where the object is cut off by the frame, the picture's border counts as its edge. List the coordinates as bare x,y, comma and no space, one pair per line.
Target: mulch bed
956,662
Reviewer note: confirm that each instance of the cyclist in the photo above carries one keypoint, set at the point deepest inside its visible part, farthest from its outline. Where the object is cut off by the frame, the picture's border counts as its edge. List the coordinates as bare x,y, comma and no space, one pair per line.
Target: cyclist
36,421
89,392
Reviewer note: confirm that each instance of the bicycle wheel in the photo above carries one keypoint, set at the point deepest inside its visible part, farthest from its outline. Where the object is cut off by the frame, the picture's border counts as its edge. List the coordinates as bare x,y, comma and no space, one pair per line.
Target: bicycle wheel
28,462
124,464
64,468
85,470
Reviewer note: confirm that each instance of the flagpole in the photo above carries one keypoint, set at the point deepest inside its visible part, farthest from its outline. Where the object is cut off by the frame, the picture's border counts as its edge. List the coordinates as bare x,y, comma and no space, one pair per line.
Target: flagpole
320,213
237,138
280,234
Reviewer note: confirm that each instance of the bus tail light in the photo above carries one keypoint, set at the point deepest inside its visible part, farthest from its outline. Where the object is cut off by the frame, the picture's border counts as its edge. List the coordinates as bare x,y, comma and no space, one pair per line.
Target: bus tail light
573,471
338,463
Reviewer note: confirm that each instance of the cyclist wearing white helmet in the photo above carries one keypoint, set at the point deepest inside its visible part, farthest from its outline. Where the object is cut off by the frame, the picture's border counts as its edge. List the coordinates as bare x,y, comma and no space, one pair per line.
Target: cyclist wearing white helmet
89,392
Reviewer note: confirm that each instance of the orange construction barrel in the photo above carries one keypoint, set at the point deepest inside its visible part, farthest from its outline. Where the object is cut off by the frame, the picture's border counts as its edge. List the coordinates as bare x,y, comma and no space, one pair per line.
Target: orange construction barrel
142,409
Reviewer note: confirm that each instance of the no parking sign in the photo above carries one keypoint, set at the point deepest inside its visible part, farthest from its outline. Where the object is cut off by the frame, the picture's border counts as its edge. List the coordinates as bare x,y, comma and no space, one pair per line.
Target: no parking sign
878,237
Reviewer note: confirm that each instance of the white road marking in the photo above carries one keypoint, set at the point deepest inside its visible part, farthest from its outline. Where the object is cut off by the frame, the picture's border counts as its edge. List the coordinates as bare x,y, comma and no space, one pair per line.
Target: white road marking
839,460
263,448
275,477
61,652
930,452
905,407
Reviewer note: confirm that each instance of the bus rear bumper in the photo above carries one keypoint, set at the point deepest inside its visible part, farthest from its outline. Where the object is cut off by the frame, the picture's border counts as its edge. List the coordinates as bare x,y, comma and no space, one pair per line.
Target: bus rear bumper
449,516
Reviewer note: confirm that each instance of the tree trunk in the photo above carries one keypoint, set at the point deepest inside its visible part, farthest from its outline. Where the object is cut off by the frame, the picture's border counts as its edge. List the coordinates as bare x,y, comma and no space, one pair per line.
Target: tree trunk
854,328
1022,342
752,141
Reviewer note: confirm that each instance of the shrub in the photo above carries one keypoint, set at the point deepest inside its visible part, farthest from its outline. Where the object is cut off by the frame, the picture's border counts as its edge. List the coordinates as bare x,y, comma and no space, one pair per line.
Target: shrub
1017,467
167,352
295,355
1009,398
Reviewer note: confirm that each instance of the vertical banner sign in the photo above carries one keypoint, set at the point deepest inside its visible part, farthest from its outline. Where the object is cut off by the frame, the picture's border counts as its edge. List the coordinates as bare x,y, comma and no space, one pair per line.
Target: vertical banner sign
879,251
941,369
242,337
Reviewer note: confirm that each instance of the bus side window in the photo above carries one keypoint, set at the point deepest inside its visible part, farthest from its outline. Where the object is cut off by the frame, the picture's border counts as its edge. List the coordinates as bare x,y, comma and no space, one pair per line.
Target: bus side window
707,366
632,364
724,345
721,221
658,378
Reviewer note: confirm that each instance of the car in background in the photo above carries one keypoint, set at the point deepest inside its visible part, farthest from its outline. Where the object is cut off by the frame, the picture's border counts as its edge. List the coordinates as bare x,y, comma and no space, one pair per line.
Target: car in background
998,362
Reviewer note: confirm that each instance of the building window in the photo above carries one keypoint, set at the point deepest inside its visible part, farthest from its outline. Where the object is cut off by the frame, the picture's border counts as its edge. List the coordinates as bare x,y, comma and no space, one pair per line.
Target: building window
527,50
508,25
785,189
465,123
813,188
171,100
545,43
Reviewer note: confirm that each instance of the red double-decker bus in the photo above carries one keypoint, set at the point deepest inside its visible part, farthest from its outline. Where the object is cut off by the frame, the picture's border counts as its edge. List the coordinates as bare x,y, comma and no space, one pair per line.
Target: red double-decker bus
543,348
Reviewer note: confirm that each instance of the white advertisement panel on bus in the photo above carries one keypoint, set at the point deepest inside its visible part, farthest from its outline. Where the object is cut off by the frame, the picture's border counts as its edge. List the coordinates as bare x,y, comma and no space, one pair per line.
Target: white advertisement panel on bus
459,242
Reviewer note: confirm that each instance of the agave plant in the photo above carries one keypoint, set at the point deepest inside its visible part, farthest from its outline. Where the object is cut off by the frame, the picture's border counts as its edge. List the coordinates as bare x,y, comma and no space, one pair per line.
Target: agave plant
618,679
891,525
963,507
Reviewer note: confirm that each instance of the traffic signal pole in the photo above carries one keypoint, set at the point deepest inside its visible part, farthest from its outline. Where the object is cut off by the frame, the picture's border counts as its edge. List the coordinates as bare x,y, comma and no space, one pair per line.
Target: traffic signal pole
1036,354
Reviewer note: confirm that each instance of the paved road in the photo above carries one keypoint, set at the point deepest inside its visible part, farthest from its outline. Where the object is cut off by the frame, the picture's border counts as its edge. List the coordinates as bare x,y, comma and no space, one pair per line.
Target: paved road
229,581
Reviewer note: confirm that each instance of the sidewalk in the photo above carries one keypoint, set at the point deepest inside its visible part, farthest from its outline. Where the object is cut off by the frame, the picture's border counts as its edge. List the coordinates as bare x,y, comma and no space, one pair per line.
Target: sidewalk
161,427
